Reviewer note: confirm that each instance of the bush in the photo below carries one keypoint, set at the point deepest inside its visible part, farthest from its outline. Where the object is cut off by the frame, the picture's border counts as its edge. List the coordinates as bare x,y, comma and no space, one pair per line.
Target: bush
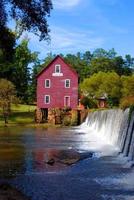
88,102
112,102
66,120
127,102
74,118
66,109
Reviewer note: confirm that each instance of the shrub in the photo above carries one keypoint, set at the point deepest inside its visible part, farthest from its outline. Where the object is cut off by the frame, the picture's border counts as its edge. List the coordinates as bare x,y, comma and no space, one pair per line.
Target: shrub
66,109
74,118
112,102
66,120
88,102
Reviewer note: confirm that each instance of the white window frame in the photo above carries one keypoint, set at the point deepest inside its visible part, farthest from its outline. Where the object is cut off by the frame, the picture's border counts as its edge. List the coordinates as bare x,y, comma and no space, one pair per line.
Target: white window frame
45,99
59,67
65,101
46,83
66,83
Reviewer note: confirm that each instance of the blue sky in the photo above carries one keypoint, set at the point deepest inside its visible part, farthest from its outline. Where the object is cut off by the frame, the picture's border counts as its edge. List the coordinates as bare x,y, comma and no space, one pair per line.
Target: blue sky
81,25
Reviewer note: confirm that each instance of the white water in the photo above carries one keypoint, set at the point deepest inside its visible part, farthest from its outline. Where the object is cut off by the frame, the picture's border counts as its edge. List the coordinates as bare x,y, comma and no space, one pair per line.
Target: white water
110,131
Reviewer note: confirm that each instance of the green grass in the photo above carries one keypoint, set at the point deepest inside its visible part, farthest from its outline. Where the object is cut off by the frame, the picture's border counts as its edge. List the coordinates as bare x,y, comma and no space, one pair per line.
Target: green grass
23,115
23,108
20,114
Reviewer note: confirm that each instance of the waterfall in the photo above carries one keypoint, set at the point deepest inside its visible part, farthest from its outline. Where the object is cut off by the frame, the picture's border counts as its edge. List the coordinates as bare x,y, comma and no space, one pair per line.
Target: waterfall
115,127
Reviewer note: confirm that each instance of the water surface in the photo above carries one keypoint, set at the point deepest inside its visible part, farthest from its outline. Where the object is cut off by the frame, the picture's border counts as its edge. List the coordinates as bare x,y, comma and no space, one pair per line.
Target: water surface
24,156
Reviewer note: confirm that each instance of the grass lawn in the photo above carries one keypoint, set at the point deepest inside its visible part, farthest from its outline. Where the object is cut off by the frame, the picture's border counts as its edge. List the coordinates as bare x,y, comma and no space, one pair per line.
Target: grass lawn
20,114
23,115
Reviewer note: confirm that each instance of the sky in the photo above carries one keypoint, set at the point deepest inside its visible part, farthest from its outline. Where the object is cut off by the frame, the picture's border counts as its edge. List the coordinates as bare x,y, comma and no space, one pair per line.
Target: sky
84,25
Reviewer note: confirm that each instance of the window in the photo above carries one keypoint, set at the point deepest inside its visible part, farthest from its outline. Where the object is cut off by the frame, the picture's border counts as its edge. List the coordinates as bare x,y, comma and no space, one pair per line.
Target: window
67,101
57,68
47,83
67,83
47,99
57,71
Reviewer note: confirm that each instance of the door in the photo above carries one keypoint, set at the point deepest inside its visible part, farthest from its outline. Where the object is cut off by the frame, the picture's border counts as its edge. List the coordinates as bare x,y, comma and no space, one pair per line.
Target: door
67,101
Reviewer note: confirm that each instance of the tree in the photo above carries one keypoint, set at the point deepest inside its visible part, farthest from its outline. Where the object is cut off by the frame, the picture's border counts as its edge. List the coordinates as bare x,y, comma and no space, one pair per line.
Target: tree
100,53
79,64
119,66
87,56
21,73
33,83
111,53
88,102
7,50
103,84
102,64
127,90
48,59
127,86
31,14
7,44
105,64
7,96
91,86
112,88
129,61
14,65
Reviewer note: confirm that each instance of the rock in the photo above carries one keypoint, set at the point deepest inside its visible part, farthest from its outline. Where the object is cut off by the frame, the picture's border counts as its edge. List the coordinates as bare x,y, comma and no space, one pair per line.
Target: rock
69,157
69,161
51,161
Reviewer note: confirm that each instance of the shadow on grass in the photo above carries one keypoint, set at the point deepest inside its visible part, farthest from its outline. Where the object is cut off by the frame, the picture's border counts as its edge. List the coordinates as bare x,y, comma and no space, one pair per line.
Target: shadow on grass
20,117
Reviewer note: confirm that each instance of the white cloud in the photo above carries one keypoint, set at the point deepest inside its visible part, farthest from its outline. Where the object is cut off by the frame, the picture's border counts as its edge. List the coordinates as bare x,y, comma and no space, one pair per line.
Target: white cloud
65,4
66,41
74,40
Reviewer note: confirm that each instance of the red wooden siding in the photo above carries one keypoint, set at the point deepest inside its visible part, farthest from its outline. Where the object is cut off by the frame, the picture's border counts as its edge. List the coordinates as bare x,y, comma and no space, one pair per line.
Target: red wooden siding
58,92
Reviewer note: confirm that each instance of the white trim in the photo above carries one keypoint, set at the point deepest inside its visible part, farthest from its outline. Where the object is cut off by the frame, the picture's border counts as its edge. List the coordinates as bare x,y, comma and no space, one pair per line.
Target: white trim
57,74
65,100
45,99
46,84
66,82
59,71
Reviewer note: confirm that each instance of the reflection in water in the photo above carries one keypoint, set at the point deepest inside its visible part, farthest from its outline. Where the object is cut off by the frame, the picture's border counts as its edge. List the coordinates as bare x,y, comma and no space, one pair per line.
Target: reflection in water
30,150
12,153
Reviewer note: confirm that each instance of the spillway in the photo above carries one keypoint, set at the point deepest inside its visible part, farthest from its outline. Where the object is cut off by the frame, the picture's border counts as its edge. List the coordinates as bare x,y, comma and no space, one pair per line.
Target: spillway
116,127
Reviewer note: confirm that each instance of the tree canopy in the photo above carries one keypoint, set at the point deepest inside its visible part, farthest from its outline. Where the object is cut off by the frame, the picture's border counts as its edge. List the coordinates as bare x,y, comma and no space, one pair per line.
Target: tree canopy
109,85
99,71
7,96
127,86
88,63
17,71
31,14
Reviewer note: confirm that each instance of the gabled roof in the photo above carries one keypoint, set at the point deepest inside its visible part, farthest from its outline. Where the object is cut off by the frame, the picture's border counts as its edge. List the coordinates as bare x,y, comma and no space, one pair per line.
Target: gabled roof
52,63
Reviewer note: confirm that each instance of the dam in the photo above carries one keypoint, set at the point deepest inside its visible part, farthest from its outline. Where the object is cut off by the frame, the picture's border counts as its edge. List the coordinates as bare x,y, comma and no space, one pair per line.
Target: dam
115,127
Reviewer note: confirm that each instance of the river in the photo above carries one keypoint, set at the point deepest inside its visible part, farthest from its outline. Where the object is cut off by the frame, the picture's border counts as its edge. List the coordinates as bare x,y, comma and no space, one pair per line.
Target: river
83,167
